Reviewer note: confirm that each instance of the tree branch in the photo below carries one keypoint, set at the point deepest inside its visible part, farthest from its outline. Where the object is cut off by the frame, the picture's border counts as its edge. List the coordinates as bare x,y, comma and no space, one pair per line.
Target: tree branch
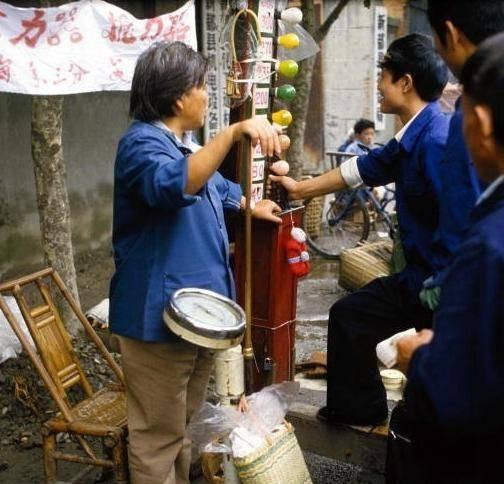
333,16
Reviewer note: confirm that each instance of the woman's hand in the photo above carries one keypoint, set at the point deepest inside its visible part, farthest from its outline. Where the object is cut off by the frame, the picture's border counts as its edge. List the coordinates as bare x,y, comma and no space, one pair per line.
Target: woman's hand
265,210
259,131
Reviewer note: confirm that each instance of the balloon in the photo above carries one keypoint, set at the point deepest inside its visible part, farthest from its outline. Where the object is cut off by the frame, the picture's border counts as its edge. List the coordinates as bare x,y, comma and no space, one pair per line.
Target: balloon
280,167
284,142
292,15
289,41
287,68
285,92
282,117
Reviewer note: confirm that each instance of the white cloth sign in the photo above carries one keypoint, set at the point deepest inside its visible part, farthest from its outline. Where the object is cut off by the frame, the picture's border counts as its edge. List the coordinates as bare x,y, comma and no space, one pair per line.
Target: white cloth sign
82,46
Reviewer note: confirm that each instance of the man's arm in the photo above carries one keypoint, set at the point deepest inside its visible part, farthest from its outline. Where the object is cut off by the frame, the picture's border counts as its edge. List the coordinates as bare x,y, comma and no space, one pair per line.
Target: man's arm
374,169
313,187
456,380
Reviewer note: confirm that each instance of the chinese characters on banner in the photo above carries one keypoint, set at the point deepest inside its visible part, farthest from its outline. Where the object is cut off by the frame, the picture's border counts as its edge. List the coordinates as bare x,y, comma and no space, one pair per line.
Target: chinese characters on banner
213,15
380,47
81,46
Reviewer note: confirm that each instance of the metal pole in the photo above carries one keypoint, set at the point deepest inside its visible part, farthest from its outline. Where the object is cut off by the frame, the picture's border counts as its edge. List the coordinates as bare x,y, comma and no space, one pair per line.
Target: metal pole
248,352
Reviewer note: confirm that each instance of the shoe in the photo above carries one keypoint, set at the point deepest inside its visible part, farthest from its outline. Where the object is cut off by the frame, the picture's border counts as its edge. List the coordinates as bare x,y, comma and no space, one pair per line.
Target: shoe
325,414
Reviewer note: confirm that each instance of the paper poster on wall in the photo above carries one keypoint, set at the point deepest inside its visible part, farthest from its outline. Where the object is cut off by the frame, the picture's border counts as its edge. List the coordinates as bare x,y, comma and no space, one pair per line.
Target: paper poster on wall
213,16
380,47
83,46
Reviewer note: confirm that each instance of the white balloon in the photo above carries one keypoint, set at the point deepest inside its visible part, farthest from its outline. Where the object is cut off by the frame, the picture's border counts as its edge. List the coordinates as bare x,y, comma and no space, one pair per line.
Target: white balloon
292,15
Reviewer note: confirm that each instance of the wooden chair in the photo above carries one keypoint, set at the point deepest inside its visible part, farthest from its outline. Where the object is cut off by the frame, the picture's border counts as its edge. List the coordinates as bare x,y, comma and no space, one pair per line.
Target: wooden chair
100,414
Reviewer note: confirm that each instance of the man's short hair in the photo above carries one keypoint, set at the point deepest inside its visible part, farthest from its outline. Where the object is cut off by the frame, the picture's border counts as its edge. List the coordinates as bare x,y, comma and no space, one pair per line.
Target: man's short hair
483,80
477,19
163,73
363,124
415,55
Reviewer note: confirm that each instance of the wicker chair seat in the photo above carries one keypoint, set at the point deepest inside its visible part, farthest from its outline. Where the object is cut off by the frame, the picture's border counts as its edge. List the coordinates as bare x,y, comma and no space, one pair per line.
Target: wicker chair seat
106,408
91,417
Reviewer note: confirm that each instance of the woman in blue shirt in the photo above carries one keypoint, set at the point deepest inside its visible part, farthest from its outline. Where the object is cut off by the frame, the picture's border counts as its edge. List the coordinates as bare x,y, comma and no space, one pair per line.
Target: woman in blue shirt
169,233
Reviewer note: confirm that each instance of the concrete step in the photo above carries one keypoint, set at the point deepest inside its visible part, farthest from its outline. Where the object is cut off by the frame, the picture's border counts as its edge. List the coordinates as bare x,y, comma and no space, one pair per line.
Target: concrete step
361,446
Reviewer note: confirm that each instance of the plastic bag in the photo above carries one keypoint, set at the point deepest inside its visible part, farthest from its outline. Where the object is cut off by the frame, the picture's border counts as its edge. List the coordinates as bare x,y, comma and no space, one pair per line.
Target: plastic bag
99,314
10,346
211,426
307,46
239,43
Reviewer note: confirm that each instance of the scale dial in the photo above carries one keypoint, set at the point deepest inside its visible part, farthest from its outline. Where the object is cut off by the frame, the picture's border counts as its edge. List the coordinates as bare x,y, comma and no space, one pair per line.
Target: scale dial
198,314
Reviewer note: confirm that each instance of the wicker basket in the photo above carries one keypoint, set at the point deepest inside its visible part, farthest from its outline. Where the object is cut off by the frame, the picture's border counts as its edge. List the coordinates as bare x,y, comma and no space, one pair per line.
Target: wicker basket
313,216
361,265
278,461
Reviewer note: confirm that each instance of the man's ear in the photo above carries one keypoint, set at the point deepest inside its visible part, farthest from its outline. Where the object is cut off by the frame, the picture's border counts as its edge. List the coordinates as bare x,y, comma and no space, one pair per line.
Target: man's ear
485,126
407,83
178,105
456,39
452,35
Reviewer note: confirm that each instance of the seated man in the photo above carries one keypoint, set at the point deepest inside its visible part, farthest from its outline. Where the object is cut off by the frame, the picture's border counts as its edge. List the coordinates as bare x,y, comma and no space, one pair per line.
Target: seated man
364,133
455,392
412,79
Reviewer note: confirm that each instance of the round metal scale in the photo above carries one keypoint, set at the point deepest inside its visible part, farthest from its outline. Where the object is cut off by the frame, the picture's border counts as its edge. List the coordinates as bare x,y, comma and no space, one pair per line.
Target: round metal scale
205,318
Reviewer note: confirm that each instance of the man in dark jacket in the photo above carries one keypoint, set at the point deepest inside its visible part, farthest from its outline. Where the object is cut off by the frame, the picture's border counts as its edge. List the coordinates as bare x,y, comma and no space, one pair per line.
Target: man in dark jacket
412,79
455,392
458,28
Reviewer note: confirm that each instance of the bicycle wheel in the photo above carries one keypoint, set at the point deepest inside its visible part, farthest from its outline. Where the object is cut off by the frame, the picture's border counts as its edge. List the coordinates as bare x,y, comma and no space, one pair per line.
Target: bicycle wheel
345,224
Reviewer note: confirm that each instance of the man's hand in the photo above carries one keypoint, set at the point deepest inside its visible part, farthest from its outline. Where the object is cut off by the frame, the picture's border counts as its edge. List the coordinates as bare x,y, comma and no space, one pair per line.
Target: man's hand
288,183
407,345
266,209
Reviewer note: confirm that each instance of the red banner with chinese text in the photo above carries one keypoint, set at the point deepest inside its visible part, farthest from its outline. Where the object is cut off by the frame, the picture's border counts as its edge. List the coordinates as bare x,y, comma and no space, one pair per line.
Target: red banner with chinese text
83,46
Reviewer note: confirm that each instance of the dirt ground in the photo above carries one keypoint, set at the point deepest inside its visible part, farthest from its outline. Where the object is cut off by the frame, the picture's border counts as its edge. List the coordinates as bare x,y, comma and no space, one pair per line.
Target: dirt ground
24,401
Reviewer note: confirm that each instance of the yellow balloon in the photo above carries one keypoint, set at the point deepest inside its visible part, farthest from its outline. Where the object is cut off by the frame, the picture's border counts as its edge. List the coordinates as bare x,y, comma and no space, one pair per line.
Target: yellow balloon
289,41
287,68
282,117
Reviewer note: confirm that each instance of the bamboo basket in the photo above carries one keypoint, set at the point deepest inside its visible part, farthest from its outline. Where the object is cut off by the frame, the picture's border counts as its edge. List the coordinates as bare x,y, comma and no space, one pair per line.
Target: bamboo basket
360,265
279,460
313,217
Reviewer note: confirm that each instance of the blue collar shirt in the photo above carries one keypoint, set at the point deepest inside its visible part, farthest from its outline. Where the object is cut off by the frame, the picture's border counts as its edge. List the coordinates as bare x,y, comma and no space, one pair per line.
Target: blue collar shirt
413,165
461,188
163,238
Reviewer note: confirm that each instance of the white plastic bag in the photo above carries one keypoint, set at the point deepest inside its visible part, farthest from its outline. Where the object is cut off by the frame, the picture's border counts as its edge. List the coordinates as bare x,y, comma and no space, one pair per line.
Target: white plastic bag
307,45
266,410
10,346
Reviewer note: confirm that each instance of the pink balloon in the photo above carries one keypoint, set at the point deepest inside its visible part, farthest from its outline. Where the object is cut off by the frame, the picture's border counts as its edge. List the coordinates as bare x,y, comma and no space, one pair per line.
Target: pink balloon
280,167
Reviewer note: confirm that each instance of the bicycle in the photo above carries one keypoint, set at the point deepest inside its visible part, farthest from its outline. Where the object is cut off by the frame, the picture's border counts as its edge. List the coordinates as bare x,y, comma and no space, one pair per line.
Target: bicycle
347,220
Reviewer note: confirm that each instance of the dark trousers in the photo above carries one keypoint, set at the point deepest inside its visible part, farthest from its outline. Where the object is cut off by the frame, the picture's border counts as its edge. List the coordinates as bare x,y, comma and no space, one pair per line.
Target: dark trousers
426,453
357,323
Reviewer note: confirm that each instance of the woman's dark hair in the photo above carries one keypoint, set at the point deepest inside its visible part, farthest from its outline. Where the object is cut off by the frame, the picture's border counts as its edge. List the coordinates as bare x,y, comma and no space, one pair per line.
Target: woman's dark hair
477,19
163,73
363,124
415,55
483,80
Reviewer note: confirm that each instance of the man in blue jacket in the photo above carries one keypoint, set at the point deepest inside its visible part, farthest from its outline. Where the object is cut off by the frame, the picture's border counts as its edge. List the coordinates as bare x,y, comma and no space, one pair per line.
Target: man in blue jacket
169,233
412,79
455,392
458,28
